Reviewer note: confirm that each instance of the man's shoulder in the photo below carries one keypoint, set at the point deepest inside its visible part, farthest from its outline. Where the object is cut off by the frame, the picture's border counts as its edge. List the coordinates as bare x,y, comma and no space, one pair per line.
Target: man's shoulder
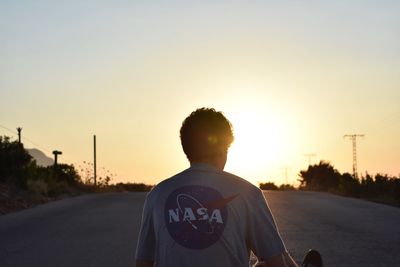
223,180
163,185
239,181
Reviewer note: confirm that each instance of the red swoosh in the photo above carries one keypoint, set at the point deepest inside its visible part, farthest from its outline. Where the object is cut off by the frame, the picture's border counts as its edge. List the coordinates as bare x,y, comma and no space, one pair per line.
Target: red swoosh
220,202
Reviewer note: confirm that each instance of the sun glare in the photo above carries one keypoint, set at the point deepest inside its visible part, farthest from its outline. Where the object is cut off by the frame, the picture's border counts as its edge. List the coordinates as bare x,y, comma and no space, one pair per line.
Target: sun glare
258,147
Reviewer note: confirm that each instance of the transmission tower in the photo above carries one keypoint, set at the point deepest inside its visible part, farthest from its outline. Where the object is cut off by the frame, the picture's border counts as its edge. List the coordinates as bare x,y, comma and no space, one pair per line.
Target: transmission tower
285,172
309,156
353,138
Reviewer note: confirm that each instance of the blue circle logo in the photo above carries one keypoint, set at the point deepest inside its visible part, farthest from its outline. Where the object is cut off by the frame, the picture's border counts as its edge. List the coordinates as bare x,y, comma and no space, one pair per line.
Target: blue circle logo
196,216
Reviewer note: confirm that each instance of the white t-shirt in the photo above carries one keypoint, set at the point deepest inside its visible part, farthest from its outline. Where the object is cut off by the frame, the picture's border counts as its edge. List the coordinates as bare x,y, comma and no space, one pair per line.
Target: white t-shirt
206,217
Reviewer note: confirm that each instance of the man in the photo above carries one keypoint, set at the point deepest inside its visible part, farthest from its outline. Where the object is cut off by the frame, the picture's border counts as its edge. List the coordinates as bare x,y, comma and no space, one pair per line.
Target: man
204,216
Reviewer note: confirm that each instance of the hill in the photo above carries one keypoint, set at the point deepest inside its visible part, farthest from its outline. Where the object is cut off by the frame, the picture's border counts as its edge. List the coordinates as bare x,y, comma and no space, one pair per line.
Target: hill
41,158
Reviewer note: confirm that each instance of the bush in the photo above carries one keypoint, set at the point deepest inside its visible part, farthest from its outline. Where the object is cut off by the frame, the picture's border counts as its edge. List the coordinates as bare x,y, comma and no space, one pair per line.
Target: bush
268,186
380,188
17,168
348,186
66,173
14,161
286,187
321,177
38,187
133,187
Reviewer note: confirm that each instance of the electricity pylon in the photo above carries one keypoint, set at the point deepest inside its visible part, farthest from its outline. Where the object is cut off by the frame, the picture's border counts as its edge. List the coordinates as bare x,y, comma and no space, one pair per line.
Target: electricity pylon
285,171
309,156
353,138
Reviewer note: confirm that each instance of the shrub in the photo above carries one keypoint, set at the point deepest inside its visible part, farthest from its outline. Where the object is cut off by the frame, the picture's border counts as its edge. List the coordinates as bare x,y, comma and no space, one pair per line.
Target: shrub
268,186
133,187
38,187
14,161
286,187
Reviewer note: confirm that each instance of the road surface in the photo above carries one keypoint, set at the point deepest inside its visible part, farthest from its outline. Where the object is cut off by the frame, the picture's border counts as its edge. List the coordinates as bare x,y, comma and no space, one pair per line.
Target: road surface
101,230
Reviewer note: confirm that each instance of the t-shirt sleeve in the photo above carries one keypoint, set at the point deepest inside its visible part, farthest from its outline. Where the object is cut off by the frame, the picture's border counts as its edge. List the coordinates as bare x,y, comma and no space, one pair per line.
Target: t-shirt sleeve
263,235
146,243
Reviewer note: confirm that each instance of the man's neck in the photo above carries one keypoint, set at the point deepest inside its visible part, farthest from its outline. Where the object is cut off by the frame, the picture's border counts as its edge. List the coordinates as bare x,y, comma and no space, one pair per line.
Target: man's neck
218,164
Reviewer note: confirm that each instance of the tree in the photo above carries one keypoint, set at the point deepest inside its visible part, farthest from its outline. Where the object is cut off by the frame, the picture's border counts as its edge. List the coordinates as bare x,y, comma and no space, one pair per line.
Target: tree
14,162
67,173
320,177
348,185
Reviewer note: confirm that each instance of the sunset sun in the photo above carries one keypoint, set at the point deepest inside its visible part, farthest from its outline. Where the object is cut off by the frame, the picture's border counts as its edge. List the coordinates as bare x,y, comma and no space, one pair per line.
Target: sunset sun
259,144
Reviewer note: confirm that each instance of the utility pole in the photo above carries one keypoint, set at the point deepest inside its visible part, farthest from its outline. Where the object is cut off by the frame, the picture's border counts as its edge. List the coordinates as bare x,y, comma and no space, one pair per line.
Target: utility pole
285,171
353,138
94,160
19,129
55,167
56,153
310,155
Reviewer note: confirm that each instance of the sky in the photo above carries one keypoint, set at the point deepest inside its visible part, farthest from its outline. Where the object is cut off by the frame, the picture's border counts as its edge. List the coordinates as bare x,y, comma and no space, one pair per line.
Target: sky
293,77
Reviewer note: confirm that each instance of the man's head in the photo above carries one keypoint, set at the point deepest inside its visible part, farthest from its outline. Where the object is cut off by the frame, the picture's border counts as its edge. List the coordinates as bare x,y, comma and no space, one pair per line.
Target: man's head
206,136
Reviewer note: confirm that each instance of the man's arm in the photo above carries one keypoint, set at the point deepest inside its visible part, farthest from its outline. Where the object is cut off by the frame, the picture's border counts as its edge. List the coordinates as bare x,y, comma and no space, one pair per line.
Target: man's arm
289,260
142,263
271,252
146,243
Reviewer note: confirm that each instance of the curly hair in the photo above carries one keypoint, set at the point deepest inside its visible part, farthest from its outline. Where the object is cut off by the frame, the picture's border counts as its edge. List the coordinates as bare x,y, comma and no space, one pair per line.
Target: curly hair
205,133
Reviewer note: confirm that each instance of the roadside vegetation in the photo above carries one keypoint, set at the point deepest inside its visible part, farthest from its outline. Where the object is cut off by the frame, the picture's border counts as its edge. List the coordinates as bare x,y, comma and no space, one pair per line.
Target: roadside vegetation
23,183
324,177
274,187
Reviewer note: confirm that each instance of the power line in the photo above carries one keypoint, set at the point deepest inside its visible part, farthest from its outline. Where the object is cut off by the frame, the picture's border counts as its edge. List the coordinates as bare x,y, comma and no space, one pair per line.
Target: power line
28,140
11,131
353,138
40,147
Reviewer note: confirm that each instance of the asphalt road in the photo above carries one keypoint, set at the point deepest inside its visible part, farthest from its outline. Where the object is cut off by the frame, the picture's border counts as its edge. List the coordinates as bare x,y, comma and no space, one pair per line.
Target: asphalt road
347,232
101,230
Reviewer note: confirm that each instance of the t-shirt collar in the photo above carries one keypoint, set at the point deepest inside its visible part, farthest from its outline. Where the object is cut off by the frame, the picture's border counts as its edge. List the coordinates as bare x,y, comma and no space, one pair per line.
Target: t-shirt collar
202,167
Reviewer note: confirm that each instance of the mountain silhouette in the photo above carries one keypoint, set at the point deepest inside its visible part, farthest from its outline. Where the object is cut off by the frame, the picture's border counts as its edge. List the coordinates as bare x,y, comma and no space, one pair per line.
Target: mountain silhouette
40,157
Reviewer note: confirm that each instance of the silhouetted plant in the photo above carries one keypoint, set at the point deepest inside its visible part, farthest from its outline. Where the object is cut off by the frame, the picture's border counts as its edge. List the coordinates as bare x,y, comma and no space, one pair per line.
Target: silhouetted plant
17,167
320,177
268,186
103,177
348,185
272,186
14,161
284,187
133,187
324,177
66,173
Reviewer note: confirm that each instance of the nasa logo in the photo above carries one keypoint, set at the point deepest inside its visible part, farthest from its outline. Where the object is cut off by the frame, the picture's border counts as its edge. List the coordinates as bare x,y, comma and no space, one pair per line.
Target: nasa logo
196,216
